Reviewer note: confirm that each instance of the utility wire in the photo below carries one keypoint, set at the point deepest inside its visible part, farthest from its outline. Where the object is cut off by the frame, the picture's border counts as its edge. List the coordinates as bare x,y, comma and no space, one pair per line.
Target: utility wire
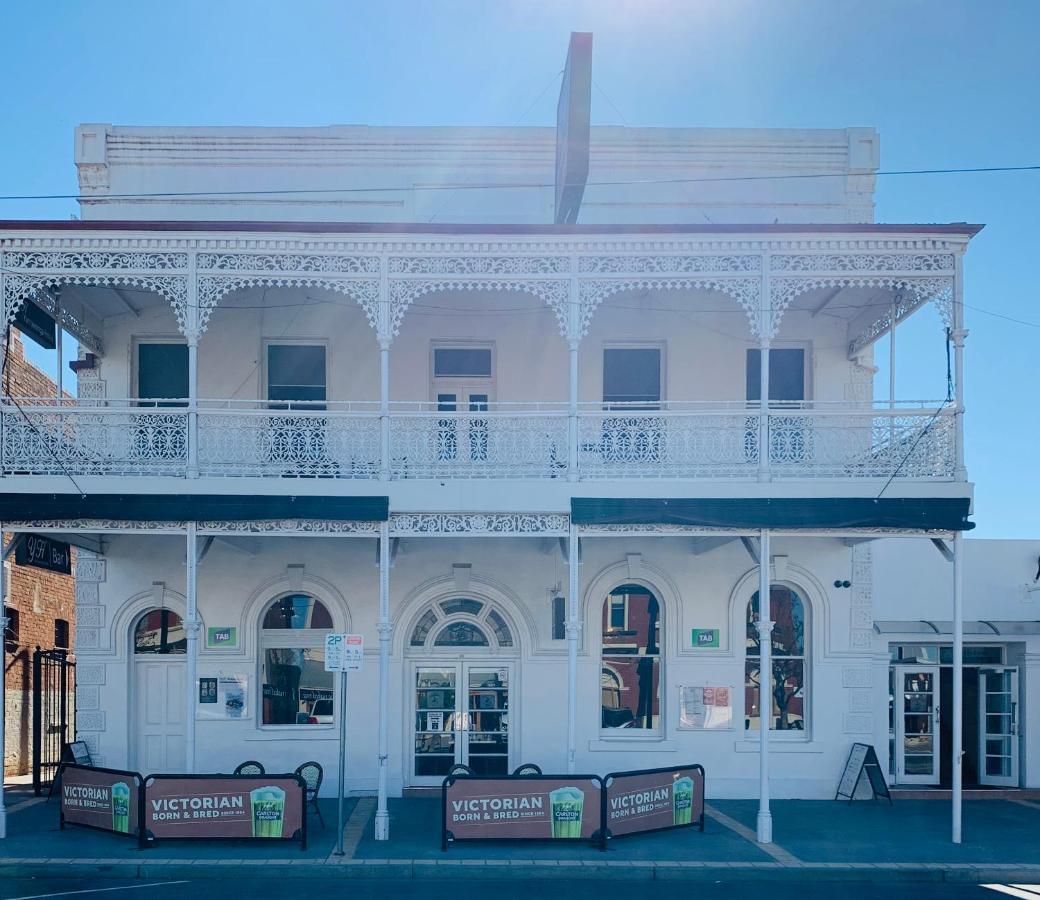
513,185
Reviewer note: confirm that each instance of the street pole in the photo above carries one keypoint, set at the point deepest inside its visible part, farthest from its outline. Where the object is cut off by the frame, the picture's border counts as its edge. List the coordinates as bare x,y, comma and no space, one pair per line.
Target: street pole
342,758
958,681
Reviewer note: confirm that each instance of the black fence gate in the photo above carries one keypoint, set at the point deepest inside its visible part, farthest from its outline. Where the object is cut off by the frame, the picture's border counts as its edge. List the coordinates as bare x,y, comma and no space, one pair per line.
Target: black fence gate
53,712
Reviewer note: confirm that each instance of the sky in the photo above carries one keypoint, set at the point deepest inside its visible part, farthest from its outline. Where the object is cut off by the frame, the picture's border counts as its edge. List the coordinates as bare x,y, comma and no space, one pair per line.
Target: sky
948,83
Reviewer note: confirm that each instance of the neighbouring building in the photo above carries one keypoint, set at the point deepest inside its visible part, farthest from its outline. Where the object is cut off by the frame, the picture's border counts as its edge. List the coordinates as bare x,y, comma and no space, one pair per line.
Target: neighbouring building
544,470
40,605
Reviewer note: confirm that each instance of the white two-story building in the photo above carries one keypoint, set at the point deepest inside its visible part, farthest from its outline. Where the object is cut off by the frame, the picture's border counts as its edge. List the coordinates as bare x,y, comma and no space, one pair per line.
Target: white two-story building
348,380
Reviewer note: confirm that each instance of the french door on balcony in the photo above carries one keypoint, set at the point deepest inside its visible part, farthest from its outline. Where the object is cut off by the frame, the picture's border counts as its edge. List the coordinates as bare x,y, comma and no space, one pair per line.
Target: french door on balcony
461,715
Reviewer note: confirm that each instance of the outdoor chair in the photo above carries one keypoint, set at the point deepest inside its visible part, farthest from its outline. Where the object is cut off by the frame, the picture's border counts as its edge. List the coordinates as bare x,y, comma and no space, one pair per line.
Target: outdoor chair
312,774
459,769
528,769
249,767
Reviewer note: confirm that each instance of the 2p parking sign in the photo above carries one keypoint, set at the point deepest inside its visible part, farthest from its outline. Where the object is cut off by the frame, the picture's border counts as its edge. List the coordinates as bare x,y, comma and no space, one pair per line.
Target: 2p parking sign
344,652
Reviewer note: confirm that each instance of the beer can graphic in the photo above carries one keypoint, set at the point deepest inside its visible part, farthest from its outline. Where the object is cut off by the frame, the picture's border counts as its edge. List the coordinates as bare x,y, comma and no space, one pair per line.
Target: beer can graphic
682,801
268,808
565,808
121,807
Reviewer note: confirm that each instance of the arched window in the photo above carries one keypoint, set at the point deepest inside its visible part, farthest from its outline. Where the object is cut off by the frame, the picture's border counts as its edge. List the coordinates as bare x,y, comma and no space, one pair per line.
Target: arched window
789,683
296,689
630,669
160,631
461,622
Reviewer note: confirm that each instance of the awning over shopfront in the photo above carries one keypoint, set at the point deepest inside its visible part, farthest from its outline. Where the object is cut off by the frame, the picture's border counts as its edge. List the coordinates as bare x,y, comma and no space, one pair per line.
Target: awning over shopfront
982,626
779,514
190,507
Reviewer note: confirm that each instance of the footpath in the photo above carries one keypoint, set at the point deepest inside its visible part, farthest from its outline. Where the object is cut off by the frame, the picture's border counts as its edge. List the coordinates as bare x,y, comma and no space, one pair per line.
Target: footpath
815,840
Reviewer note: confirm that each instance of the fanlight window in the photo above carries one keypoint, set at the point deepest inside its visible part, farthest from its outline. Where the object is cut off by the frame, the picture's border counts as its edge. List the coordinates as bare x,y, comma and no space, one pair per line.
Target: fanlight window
461,622
160,631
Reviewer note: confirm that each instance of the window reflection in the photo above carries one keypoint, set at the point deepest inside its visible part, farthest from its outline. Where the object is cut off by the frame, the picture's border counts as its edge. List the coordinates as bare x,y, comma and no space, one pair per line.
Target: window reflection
630,673
160,631
788,688
295,688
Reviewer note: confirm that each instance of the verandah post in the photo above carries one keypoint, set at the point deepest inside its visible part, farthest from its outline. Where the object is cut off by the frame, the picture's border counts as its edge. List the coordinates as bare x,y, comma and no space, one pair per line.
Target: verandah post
765,688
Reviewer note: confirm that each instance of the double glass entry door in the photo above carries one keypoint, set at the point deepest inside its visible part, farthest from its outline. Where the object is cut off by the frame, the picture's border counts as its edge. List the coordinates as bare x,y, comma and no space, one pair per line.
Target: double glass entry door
917,724
461,716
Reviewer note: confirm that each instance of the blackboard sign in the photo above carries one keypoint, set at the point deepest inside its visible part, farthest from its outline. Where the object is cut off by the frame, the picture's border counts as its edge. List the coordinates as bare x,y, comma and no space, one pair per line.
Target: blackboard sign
862,758
44,553
77,752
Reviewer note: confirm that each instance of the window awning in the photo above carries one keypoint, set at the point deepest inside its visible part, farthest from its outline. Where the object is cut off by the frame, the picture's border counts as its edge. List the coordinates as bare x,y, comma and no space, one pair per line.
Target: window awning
933,628
784,513
190,507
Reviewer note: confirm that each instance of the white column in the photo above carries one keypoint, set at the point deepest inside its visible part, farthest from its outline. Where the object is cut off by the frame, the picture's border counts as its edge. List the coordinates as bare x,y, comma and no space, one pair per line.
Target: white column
385,629
573,630
191,627
191,334
572,415
763,413
958,680
958,335
3,681
384,410
59,389
892,360
765,691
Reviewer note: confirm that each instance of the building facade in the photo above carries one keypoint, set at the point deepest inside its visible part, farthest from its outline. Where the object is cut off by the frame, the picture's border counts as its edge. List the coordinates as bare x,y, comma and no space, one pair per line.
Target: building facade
40,605
545,471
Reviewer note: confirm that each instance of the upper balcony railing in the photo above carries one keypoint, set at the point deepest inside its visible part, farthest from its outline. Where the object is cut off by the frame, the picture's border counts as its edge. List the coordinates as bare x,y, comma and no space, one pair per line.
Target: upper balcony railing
415,441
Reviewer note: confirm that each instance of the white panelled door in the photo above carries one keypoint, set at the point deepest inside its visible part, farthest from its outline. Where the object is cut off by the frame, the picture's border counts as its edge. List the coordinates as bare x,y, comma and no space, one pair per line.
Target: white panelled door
159,715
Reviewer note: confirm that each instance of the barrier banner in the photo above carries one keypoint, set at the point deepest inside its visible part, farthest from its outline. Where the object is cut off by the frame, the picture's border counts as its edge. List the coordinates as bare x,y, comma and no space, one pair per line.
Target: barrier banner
201,807
521,807
653,799
106,799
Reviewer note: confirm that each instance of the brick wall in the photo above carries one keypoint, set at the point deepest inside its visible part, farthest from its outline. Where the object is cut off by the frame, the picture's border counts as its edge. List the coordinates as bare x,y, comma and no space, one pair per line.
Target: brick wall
40,597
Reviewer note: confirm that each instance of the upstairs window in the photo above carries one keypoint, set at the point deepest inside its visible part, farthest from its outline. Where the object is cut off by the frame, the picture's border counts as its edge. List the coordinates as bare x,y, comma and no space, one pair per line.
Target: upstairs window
632,376
461,362
296,372
786,375
162,372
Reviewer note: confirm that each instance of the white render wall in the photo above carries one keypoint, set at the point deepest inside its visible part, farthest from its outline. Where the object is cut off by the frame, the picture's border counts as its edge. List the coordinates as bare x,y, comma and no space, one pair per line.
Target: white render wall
704,338
121,160
240,577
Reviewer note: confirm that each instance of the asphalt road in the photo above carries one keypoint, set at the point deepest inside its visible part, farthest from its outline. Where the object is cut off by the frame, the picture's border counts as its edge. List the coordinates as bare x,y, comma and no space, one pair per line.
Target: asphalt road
459,889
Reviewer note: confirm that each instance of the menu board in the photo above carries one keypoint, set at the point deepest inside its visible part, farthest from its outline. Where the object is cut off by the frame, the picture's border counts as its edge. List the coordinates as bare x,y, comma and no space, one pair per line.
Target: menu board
100,798
265,807
566,807
705,708
654,799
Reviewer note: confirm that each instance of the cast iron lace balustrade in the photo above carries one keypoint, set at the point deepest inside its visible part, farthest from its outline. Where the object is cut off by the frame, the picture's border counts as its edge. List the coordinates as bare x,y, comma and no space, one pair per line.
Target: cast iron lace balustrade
505,441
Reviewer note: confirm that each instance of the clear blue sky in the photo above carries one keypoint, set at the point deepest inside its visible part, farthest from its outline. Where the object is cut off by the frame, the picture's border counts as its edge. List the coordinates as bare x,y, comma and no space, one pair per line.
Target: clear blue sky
947,82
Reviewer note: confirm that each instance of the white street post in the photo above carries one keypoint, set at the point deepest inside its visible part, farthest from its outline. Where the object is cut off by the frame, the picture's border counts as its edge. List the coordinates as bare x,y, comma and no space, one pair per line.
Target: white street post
343,653
572,650
191,628
342,759
958,680
382,823
765,689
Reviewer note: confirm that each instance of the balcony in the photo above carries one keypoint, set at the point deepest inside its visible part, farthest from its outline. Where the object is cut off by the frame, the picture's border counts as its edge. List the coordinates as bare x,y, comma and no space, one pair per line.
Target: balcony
506,441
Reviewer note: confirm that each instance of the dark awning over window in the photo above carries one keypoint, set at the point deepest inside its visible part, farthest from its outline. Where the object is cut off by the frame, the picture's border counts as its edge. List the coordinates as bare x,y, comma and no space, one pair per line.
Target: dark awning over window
189,507
927,514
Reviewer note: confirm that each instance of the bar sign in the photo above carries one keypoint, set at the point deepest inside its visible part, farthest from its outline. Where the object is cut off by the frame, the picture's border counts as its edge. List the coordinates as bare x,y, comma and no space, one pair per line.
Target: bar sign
44,553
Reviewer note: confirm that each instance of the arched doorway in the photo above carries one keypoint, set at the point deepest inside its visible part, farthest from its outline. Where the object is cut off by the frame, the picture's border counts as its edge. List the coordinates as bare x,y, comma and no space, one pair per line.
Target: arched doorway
462,690
159,645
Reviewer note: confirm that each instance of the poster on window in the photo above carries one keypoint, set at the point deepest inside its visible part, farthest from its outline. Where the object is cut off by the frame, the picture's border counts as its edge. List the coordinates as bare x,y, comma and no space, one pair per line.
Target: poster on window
704,708
223,697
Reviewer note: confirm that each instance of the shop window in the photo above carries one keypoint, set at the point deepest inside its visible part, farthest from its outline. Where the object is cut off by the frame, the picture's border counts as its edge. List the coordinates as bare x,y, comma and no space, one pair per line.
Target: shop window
11,634
160,631
789,702
296,689
630,670
61,634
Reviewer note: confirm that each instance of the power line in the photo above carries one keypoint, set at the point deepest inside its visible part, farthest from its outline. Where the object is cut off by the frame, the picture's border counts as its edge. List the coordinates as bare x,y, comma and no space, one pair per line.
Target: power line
513,185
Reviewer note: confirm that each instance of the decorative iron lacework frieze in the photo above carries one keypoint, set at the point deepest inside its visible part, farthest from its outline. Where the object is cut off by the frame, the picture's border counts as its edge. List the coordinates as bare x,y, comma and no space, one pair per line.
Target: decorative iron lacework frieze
94,260
280,263
697,530
420,524
478,265
746,291
862,262
114,525
404,291
660,264
211,288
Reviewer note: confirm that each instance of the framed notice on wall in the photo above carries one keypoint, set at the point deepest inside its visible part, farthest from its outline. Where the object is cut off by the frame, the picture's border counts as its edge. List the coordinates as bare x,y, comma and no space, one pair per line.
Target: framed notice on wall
705,707
223,697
